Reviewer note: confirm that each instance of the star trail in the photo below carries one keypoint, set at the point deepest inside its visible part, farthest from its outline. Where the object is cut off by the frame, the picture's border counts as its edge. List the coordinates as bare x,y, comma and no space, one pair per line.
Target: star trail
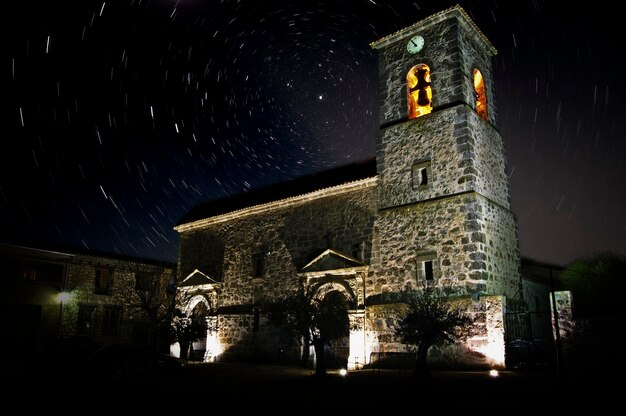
124,115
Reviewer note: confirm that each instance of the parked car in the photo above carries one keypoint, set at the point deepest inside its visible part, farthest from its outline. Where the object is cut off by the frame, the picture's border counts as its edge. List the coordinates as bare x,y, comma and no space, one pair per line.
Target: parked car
120,361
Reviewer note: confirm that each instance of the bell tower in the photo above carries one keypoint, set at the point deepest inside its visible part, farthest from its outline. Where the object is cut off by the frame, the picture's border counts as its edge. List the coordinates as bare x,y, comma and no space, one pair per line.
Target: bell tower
444,210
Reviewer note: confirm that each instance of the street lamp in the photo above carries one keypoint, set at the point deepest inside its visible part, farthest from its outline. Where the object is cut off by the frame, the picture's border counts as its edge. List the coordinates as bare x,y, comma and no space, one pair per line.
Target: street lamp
62,298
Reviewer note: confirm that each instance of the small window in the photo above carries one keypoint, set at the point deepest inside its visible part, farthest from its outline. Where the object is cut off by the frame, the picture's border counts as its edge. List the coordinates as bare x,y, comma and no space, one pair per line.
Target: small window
258,265
421,174
111,321
428,270
480,94
28,272
426,266
102,284
86,319
144,281
42,272
419,92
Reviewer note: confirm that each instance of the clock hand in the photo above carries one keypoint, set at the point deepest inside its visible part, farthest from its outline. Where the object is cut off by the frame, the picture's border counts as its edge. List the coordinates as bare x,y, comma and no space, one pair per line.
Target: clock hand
413,42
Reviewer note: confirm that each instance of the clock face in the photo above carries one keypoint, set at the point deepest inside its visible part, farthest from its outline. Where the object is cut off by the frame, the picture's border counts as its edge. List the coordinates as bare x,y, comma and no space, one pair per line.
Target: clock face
416,43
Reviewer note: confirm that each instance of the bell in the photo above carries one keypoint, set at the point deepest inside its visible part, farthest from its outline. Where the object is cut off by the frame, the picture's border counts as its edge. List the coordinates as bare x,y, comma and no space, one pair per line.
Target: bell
422,98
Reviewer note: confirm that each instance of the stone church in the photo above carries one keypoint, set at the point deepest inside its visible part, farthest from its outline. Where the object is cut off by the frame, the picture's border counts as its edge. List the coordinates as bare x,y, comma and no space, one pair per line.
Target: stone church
432,209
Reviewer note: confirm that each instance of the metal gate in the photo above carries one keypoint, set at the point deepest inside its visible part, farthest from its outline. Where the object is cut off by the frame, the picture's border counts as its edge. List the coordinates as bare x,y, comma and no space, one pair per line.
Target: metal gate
529,340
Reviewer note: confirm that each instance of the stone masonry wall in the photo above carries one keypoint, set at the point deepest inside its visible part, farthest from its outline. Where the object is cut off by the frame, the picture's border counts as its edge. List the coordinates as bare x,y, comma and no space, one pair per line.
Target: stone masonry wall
240,342
481,344
474,240
290,237
499,244
446,227
81,281
465,154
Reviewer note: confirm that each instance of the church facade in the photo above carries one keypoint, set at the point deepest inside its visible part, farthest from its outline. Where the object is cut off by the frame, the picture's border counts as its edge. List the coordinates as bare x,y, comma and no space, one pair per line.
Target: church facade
432,210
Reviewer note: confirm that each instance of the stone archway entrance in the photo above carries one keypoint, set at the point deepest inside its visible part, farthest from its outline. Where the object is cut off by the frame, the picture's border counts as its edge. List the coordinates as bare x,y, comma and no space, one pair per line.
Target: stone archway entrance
199,311
333,273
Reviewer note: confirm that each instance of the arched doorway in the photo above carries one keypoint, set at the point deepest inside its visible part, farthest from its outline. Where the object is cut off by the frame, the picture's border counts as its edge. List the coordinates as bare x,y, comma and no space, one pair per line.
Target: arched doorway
198,312
337,351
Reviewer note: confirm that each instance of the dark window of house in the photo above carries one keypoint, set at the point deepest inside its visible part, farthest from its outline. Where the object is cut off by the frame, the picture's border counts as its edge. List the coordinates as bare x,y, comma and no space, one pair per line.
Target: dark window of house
102,284
28,271
144,281
41,272
111,320
257,318
258,264
86,319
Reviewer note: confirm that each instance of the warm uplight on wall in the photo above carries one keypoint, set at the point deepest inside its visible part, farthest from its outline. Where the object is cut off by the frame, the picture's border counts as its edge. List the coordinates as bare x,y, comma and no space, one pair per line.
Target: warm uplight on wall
213,346
357,349
494,352
493,373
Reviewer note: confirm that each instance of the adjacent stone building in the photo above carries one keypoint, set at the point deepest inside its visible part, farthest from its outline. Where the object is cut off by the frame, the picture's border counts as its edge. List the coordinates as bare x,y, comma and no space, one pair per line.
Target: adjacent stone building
431,210
109,298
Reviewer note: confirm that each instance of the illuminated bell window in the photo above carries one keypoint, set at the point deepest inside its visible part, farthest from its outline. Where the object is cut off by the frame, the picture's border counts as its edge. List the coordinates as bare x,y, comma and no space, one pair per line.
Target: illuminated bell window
480,94
421,174
419,92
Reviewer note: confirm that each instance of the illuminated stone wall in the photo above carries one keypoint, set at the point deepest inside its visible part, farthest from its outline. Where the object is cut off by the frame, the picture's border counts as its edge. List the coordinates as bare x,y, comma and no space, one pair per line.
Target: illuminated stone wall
453,48
238,341
499,250
290,236
482,344
474,241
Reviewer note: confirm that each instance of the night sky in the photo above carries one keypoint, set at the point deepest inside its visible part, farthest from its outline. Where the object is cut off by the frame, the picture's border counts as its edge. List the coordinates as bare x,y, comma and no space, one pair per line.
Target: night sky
120,116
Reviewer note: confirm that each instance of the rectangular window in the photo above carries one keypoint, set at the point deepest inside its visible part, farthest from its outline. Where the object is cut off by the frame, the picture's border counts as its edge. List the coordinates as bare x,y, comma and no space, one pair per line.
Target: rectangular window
421,174
427,268
86,319
111,320
258,265
102,284
42,272
28,272
144,281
